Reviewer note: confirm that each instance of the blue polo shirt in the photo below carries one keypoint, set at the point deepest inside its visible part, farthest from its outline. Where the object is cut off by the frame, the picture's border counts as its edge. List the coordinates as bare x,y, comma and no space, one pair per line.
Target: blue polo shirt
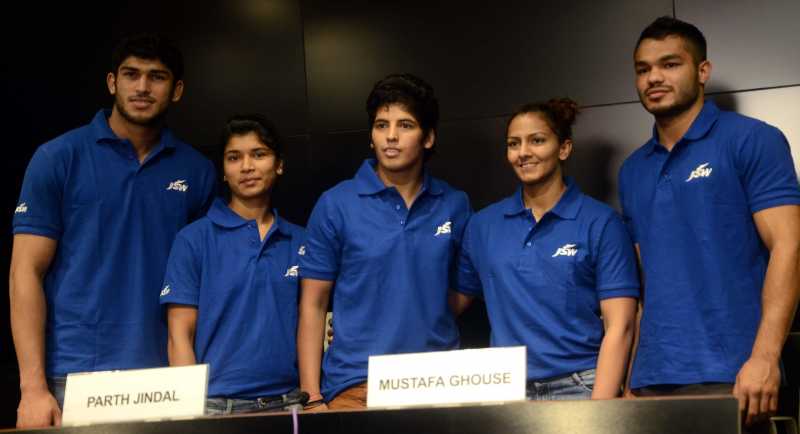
392,267
246,294
114,220
543,281
690,211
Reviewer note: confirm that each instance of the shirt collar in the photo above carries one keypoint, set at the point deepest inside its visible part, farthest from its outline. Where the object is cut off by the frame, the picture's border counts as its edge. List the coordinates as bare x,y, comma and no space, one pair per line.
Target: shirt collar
103,133
700,126
368,183
567,206
222,215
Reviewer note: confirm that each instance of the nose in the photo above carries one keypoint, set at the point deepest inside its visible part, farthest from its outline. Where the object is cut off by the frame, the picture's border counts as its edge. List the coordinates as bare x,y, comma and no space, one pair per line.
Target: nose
524,150
655,75
247,163
392,134
143,85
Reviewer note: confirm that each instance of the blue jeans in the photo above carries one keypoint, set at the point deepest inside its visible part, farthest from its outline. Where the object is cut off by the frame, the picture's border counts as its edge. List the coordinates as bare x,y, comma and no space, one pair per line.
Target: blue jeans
57,386
219,406
578,385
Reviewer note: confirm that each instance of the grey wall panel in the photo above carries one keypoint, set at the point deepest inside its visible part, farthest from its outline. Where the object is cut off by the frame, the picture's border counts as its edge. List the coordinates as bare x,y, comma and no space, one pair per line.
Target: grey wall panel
483,60
779,107
604,137
752,44
471,156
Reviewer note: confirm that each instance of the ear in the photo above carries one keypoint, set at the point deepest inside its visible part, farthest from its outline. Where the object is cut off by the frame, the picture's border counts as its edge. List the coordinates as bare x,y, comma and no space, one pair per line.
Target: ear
429,139
279,170
565,149
177,91
704,72
111,82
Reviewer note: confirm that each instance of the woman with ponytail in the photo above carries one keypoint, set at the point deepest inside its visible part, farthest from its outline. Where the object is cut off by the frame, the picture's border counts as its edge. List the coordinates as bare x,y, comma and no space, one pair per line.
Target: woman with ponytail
556,268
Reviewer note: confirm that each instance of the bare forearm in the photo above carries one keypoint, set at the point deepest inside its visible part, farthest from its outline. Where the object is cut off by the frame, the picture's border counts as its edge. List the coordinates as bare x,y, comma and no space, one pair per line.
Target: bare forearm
28,315
181,351
634,346
779,301
310,330
613,361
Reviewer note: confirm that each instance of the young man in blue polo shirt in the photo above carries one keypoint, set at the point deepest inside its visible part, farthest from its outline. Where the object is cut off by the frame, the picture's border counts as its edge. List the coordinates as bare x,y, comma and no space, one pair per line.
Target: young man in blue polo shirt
99,208
384,243
712,203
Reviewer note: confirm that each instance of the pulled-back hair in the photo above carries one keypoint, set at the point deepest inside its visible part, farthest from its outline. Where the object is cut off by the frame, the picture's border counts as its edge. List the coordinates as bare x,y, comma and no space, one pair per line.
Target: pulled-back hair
666,26
148,46
558,113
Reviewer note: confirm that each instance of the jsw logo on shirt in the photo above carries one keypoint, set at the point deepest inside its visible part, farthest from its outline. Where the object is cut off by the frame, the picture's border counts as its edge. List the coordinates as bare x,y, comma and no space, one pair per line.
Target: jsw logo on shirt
21,209
302,251
566,250
443,229
292,271
701,172
165,291
178,185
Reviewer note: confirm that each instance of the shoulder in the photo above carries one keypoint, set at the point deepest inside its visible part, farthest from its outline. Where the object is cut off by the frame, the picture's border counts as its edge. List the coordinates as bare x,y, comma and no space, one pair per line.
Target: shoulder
491,215
596,210
191,156
450,194
634,160
297,232
196,232
67,144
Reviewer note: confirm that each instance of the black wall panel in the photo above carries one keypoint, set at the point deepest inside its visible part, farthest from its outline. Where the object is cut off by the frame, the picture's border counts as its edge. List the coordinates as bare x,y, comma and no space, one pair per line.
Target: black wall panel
483,59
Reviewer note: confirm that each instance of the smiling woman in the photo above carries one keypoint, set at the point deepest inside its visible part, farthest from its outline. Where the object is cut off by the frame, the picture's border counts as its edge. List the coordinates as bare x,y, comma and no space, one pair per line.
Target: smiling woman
564,257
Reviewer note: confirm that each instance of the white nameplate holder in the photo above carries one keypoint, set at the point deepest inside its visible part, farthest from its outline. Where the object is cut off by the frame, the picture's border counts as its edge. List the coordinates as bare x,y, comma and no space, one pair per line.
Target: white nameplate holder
447,377
136,394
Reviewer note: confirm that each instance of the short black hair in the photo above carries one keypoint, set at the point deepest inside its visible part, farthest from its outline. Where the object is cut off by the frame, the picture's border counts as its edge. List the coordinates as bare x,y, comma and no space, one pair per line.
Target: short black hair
149,46
666,26
410,91
243,124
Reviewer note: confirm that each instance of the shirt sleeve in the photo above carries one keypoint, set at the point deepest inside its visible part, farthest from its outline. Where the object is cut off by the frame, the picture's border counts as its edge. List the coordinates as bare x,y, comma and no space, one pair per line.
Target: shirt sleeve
182,278
624,202
208,192
467,278
323,245
38,211
460,221
766,169
616,273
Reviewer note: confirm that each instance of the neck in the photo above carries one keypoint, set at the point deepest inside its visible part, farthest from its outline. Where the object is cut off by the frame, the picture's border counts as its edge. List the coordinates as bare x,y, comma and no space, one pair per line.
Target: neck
543,196
672,128
253,208
406,182
143,137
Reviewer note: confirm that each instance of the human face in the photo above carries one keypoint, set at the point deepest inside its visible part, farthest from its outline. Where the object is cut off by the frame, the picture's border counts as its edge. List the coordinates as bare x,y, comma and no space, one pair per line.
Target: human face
667,79
533,150
398,139
143,90
250,166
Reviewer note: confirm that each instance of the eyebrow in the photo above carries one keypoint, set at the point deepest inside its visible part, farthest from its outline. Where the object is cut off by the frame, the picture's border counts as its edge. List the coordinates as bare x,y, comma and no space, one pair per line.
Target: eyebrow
664,58
377,119
146,71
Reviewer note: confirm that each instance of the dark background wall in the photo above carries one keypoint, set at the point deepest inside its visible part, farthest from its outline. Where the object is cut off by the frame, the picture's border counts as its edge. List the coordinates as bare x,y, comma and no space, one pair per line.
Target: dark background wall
309,64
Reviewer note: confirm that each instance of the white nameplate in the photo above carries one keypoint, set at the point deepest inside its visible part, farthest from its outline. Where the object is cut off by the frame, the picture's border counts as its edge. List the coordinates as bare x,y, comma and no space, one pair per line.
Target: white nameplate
136,394
447,377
